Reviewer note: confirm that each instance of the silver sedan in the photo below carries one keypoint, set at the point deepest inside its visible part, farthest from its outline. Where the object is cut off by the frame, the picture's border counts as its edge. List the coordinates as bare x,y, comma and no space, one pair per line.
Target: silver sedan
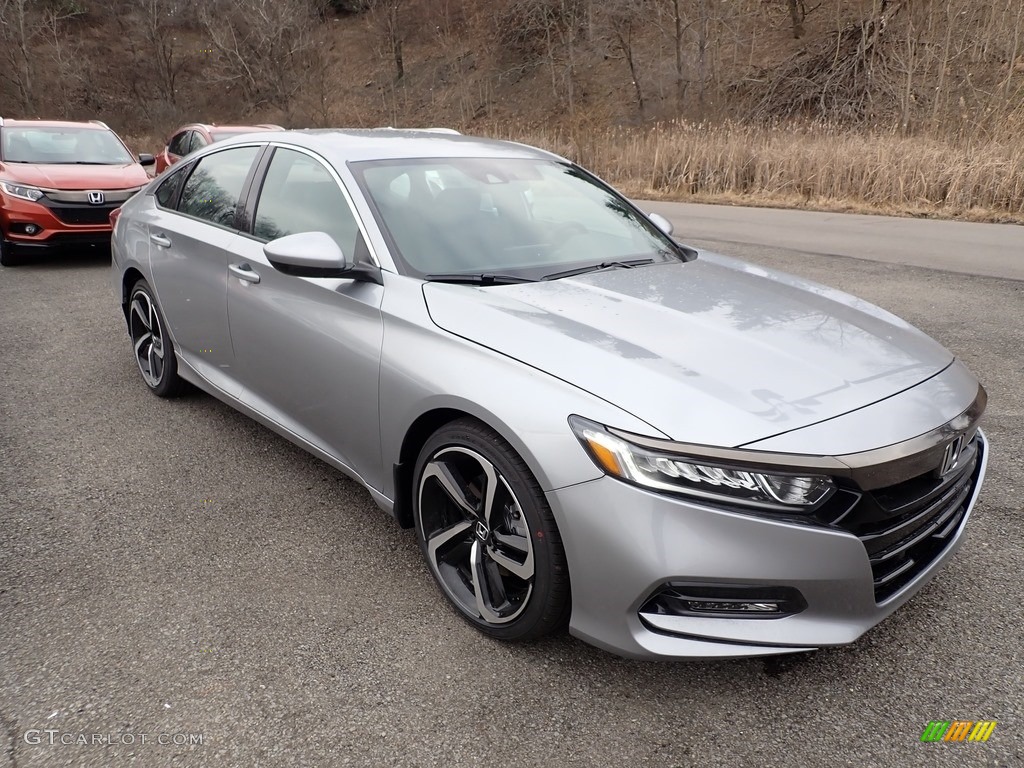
586,422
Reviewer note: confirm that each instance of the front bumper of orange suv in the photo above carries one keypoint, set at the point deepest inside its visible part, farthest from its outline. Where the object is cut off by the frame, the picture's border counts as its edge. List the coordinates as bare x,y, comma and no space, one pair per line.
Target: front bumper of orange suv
59,219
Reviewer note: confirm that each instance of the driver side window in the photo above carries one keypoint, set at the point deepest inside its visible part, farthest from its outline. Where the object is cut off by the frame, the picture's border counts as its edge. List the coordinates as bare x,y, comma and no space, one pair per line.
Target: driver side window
299,194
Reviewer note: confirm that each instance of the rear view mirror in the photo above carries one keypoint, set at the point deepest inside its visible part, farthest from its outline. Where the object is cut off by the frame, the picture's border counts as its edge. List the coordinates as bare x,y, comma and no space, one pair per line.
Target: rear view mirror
661,223
308,254
146,159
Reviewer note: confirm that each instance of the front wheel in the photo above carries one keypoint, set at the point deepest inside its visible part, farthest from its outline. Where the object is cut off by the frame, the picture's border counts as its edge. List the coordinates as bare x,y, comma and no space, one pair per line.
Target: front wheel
7,257
154,351
488,535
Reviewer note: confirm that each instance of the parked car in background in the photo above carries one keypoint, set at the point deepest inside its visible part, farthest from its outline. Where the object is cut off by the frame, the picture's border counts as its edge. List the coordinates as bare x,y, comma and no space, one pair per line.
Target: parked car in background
586,422
59,182
189,138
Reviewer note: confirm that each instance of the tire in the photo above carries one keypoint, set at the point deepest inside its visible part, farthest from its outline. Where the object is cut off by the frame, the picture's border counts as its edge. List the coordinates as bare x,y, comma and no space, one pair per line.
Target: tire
7,257
513,548
151,346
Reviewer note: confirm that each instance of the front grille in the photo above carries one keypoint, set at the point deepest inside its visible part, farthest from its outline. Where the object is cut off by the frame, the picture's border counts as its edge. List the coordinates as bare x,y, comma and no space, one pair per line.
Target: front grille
83,214
906,526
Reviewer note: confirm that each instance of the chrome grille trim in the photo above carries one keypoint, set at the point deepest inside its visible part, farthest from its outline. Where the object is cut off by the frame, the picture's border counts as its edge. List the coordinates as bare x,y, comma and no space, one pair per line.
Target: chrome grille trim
82,196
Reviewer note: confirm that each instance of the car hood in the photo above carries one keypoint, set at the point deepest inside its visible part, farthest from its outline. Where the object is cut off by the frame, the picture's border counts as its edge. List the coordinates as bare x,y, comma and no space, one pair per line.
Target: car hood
77,177
714,351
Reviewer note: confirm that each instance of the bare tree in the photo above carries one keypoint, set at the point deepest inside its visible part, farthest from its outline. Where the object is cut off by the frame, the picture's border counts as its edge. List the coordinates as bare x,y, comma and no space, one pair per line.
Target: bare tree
388,18
550,31
797,11
678,29
622,20
20,26
264,47
65,58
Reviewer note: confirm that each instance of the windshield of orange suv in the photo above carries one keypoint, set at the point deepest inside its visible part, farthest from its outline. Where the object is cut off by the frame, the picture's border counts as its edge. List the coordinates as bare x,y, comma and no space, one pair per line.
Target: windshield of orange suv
521,219
50,145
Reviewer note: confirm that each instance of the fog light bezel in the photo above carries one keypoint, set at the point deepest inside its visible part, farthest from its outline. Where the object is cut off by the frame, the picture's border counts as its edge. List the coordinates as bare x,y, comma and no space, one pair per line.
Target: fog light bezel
685,600
21,228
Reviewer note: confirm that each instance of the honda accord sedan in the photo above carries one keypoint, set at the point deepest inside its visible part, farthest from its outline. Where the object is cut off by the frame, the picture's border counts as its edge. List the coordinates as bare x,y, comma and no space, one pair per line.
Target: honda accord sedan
587,423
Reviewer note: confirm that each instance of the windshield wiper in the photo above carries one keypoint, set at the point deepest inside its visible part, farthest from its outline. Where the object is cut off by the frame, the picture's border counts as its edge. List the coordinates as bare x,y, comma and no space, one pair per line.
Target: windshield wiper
486,278
629,264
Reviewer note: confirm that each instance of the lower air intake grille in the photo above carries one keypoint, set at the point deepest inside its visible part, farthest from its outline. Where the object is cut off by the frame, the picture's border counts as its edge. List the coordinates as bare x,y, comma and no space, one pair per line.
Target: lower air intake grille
83,214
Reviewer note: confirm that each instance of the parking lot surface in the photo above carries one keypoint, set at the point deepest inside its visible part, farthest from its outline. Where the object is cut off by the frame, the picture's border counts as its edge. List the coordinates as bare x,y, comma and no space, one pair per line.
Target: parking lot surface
170,569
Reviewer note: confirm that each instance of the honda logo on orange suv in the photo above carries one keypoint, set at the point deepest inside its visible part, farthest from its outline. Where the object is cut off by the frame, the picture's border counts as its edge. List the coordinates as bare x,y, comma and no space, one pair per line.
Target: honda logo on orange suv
97,198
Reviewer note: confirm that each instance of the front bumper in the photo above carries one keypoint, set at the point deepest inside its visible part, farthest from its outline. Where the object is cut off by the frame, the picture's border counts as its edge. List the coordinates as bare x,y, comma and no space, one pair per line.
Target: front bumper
55,233
624,543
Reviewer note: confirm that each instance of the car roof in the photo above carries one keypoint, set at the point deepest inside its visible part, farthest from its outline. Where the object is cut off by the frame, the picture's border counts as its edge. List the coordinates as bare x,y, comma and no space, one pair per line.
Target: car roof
390,144
214,127
54,124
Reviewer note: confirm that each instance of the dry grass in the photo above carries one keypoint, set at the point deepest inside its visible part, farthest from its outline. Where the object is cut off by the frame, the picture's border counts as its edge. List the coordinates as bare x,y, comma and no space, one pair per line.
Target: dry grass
815,167
807,166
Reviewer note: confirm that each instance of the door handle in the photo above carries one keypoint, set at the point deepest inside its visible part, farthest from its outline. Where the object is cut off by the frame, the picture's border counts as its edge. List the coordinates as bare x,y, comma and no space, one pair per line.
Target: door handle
244,272
162,240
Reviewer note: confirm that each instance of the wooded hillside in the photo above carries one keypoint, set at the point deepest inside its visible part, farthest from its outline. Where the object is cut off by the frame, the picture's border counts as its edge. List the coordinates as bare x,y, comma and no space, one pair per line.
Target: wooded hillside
948,72
918,65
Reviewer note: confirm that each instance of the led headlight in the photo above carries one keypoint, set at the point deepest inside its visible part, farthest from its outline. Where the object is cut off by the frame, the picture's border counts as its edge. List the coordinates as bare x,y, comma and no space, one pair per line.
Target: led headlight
691,475
19,190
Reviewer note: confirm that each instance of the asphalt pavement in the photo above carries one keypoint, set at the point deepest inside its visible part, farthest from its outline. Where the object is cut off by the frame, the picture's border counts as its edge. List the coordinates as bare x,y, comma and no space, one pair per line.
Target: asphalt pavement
171,570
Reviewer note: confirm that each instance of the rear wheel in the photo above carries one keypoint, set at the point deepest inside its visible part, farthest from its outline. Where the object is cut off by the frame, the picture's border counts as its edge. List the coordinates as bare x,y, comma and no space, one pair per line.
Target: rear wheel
488,535
153,349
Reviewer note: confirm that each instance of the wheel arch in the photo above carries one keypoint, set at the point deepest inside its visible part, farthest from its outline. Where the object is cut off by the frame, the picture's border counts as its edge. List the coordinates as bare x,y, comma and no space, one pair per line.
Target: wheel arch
130,277
416,436
425,425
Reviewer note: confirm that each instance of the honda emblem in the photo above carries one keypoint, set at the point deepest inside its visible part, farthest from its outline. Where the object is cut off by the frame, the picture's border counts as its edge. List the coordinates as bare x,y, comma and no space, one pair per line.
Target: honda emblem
96,197
951,457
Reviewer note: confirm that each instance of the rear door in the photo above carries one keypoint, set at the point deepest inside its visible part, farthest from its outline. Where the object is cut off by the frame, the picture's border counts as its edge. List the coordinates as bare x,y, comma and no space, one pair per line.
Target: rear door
307,350
190,245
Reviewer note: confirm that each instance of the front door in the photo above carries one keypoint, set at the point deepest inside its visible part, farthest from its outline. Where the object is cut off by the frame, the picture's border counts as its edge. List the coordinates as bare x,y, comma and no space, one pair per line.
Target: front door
308,349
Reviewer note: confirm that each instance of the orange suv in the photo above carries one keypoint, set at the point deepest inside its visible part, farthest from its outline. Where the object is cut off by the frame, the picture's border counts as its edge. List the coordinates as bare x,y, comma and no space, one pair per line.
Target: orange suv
195,136
59,182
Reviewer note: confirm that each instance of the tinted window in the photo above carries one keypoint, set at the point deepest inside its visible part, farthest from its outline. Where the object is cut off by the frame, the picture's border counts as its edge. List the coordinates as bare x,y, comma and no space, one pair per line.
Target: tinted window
300,195
167,192
197,142
178,145
213,189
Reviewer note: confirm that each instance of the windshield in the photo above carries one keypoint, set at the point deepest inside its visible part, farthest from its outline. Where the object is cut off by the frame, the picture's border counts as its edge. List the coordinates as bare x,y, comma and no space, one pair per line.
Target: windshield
528,218
60,146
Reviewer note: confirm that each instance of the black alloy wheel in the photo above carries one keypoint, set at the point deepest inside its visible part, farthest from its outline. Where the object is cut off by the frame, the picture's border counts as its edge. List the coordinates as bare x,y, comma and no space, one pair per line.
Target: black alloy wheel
488,534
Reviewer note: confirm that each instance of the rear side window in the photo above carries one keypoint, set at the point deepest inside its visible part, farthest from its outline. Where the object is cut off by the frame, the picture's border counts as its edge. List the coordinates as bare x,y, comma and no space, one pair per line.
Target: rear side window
300,195
198,142
213,189
178,145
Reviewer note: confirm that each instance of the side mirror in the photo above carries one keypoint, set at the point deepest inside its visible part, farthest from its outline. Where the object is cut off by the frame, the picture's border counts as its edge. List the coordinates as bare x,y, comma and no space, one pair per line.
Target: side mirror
661,223
146,159
308,254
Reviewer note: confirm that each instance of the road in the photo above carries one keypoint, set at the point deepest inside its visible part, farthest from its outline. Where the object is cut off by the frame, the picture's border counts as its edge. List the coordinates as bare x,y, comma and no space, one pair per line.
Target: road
171,569
954,246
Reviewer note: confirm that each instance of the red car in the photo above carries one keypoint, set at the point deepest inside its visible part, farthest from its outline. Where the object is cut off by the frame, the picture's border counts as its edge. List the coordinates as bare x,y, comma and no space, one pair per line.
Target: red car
59,182
189,138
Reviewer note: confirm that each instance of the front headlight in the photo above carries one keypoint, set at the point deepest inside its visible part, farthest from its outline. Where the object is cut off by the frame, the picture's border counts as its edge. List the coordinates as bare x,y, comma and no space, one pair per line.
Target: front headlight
18,190
700,478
